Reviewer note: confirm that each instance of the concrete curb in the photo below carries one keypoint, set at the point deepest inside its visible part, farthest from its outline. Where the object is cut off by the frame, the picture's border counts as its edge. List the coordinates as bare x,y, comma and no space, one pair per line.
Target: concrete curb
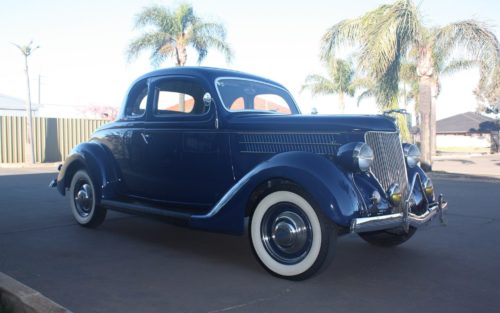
53,165
22,299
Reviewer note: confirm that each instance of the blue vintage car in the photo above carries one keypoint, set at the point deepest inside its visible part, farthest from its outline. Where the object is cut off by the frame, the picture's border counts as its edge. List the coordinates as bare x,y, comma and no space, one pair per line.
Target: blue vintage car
209,148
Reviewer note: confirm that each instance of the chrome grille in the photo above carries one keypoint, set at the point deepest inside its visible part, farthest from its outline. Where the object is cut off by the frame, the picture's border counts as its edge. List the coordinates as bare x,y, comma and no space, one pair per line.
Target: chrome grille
388,165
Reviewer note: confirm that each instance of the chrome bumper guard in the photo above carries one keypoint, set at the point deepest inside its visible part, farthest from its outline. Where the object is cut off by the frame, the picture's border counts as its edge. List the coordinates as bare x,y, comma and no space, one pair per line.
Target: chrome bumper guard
404,219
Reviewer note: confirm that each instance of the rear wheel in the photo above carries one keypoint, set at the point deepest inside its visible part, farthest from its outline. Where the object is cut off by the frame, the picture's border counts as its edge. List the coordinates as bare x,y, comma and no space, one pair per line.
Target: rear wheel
388,238
83,201
289,236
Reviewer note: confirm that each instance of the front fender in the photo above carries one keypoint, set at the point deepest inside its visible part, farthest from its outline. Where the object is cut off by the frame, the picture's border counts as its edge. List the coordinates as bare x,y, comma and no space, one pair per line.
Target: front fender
327,184
98,160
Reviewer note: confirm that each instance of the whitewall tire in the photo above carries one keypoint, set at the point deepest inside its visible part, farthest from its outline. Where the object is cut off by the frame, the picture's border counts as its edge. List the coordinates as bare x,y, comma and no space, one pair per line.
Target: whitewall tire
84,202
289,236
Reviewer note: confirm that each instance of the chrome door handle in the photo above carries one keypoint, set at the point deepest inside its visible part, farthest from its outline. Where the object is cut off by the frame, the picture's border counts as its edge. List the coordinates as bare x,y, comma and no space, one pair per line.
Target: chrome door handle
145,137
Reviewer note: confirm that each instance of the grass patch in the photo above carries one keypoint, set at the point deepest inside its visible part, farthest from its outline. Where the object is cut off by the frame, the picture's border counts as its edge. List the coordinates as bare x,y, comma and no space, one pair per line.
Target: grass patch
464,149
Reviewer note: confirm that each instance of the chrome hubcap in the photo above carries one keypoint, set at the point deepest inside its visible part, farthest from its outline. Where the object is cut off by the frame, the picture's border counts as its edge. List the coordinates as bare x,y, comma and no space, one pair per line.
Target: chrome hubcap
84,199
289,232
286,233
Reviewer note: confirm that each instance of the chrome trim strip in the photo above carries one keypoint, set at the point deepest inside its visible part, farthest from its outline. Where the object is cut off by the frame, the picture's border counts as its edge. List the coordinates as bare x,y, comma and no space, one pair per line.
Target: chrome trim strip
226,198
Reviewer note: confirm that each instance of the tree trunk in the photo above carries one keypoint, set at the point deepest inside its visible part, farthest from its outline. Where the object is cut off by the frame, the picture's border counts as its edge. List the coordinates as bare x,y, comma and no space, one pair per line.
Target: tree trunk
341,102
433,126
425,71
424,100
181,58
182,55
434,94
29,151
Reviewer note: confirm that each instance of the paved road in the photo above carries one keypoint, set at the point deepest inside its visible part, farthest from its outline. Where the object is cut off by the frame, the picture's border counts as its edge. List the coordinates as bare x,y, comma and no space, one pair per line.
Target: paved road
134,264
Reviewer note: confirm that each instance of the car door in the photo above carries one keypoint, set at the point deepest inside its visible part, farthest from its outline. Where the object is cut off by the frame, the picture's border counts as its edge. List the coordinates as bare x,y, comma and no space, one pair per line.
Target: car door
130,156
186,157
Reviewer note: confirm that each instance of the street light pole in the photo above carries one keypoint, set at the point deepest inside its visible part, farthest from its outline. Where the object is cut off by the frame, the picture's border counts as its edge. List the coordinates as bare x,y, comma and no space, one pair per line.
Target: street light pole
27,50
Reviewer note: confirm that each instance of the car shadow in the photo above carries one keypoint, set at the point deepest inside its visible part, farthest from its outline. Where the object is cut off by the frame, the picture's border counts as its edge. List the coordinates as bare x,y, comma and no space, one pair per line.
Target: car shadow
198,244
352,256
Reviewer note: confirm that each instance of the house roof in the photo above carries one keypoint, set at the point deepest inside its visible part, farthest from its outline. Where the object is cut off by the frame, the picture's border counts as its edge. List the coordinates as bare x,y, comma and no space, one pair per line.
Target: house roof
14,104
469,122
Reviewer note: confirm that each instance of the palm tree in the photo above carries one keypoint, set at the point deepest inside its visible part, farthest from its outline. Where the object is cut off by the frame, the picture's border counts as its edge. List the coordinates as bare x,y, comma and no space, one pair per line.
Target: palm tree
488,94
168,34
339,81
388,33
29,152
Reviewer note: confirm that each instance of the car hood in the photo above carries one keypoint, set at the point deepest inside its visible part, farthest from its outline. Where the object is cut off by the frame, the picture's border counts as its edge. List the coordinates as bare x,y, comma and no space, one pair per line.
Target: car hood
245,121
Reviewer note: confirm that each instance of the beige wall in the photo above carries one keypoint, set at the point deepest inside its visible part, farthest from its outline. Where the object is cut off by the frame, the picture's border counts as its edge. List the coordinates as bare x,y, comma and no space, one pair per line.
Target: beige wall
470,142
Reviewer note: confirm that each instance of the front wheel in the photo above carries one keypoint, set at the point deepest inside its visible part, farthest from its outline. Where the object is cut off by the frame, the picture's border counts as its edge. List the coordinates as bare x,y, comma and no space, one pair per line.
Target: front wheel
289,236
388,238
83,201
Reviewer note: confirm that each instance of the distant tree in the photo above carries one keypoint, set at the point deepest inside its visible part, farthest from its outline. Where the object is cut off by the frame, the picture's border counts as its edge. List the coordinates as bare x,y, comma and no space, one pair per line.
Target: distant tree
339,81
168,34
388,33
29,151
108,113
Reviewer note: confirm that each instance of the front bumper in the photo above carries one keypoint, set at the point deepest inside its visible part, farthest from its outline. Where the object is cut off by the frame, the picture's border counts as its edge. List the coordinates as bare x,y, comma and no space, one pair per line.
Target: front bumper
403,220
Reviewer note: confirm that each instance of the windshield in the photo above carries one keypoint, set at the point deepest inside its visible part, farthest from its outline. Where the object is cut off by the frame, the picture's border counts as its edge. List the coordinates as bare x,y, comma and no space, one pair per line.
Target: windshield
239,94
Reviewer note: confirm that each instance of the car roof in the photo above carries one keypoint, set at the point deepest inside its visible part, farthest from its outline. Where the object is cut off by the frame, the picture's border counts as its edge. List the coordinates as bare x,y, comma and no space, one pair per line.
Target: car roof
207,72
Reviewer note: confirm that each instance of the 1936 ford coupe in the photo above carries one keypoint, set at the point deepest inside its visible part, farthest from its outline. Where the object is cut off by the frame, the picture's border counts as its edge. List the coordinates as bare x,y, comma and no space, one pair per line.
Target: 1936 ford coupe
210,147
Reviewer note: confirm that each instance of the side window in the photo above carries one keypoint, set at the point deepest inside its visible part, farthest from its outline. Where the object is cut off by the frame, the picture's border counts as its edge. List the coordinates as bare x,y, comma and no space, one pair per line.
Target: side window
179,97
271,102
137,100
238,104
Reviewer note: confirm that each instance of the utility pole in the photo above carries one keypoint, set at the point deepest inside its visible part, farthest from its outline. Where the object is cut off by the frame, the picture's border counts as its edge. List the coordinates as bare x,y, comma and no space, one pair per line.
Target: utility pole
27,50
39,88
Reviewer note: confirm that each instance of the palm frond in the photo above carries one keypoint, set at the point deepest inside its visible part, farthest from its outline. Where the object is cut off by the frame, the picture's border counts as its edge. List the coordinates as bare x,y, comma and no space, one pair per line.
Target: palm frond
155,15
205,35
347,32
458,65
319,85
365,94
155,41
341,73
408,72
363,83
392,29
475,39
185,16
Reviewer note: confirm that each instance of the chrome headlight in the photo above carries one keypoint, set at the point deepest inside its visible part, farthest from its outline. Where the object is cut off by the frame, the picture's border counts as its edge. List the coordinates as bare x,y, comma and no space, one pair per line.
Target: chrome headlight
363,156
412,154
356,156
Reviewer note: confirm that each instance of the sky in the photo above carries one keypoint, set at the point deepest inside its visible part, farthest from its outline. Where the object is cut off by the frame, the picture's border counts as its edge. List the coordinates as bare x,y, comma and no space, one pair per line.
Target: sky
81,58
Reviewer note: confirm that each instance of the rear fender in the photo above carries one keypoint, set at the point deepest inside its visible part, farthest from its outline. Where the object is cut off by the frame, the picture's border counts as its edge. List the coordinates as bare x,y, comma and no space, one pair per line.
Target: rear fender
98,160
330,187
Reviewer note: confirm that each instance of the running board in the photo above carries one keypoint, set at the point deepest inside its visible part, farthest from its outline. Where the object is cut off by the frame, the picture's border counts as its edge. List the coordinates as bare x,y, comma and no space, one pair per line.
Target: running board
139,208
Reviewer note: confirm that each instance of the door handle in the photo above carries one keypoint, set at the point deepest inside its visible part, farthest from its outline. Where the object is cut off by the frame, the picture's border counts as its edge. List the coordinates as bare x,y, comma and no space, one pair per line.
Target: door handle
145,137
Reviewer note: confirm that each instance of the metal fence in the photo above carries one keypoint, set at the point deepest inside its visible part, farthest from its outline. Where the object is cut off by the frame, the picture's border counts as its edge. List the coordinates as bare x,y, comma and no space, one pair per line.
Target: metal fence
53,137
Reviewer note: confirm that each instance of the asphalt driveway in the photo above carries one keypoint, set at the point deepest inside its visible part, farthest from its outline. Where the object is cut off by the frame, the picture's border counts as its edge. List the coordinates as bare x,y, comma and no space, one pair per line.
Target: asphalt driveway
136,264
